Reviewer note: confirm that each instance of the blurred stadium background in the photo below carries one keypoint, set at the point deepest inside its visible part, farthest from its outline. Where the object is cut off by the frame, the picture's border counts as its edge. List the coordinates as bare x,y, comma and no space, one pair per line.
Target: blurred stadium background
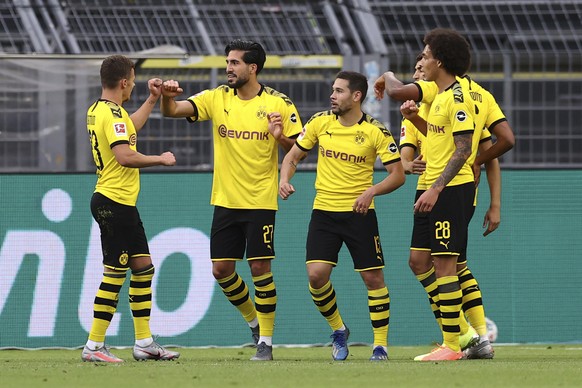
528,53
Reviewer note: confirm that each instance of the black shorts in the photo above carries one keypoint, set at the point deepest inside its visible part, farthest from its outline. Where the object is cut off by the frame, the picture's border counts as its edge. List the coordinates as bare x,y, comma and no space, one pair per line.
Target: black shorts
236,230
328,230
420,230
122,233
444,230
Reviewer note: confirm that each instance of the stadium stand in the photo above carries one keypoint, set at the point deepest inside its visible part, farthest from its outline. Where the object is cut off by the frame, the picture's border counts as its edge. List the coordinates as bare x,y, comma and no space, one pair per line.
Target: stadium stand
528,53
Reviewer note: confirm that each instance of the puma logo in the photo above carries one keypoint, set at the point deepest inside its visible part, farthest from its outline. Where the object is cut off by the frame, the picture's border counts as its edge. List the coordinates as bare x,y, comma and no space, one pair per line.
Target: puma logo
226,111
329,133
445,244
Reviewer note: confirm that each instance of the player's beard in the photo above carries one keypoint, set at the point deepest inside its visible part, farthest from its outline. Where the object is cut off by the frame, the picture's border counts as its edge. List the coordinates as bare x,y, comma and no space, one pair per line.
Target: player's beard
239,83
338,111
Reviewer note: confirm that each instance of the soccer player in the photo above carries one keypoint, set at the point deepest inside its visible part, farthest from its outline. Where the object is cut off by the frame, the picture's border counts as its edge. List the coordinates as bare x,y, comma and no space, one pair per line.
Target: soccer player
113,135
349,141
487,115
450,191
250,122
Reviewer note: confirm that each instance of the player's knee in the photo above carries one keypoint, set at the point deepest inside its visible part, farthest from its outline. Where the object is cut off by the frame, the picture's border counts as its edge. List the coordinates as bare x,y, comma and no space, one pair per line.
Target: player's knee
221,270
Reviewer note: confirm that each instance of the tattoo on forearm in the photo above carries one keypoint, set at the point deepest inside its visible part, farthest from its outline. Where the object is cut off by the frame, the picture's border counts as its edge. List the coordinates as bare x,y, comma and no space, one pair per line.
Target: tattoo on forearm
459,157
293,164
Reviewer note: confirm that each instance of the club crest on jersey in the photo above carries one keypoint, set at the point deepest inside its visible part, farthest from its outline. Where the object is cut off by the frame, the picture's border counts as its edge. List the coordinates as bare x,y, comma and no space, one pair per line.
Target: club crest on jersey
262,112
120,129
360,139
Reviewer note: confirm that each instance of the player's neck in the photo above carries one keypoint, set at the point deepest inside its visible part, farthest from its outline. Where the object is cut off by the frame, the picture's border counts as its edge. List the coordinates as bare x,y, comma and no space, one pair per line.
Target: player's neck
249,90
444,81
351,118
112,95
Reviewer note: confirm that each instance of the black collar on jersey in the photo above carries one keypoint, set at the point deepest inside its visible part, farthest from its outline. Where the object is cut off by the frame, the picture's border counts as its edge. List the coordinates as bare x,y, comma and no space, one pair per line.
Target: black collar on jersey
106,100
362,119
258,94
451,86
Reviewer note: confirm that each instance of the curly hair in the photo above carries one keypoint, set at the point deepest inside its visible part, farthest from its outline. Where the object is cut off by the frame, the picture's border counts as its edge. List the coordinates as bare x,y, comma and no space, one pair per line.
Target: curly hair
451,48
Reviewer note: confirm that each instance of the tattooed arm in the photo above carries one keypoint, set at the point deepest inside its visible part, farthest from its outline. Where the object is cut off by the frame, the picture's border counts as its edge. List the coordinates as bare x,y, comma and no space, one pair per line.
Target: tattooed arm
462,152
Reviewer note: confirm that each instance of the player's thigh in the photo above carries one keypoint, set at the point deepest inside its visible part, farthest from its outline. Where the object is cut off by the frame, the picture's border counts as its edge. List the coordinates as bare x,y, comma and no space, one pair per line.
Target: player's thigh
323,240
227,238
260,232
362,238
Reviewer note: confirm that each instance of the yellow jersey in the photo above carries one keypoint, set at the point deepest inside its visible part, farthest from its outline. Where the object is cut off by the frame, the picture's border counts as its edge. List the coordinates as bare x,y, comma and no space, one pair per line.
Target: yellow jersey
246,157
346,158
108,125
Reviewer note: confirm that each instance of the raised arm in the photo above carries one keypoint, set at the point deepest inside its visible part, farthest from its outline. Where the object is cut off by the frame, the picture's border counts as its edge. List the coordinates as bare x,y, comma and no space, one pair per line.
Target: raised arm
395,88
140,116
169,106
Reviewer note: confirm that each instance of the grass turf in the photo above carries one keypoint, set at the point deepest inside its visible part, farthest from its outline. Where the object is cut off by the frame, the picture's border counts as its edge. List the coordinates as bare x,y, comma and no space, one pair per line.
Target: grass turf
513,366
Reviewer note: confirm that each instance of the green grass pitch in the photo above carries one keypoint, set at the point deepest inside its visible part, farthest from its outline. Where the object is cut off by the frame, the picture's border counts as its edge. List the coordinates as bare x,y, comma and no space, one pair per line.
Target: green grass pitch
513,366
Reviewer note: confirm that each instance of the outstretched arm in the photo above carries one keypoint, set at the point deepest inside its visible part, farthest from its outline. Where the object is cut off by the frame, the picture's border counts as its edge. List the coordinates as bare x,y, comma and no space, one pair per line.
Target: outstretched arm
395,88
169,106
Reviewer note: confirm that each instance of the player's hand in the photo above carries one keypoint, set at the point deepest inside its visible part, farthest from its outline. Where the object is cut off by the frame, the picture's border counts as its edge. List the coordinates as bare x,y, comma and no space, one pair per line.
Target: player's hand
409,109
426,201
168,159
275,124
285,190
418,165
363,202
492,220
155,87
380,87
171,88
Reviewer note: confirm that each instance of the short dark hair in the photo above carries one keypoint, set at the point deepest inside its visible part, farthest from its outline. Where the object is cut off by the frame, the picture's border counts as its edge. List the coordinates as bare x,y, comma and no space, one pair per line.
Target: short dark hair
254,52
356,82
115,68
451,48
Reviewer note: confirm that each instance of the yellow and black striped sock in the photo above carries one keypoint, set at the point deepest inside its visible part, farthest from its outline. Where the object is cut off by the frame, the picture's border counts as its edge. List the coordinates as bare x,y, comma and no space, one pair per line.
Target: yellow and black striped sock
237,293
324,299
472,301
450,301
265,302
379,305
105,304
140,300
429,282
